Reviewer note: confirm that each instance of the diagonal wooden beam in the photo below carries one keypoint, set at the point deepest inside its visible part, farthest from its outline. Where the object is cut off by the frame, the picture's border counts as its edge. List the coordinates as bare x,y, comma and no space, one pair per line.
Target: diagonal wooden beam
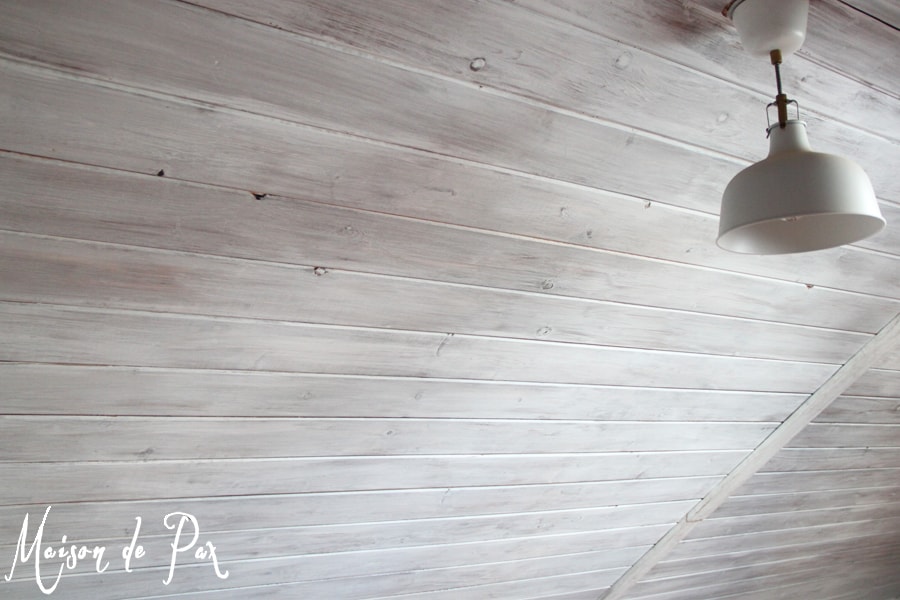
865,358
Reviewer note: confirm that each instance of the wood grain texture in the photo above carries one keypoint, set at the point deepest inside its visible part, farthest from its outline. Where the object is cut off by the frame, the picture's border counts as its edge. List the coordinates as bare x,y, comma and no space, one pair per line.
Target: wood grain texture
53,334
744,473
855,409
881,383
728,526
815,580
285,543
852,531
57,271
695,33
226,222
802,500
51,482
289,581
748,558
414,184
524,61
746,576
782,483
831,458
273,511
122,391
421,302
40,438
449,584
452,120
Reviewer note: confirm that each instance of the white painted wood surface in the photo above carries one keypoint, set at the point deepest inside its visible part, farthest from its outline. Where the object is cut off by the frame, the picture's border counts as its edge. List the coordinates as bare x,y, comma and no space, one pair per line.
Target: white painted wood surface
420,299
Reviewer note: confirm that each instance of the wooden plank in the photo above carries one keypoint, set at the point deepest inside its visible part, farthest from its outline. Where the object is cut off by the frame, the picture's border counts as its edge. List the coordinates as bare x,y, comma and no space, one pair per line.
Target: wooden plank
403,182
586,595
890,361
388,104
58,271
60,482
738,477
856,409
889,237
102,41
774,539
52,334
696,34
255,543
840,588
641,523
880,383
689,566
595,74
822,459
574,582
883,10
782,483
244,576
32,389
840,435
729,526
801,500
363,588
44,438
88,520
743,574
835,21
192,218
743,474
829,578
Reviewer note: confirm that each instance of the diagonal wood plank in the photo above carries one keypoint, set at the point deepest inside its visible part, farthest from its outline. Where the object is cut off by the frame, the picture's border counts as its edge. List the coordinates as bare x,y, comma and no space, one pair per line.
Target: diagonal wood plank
879,346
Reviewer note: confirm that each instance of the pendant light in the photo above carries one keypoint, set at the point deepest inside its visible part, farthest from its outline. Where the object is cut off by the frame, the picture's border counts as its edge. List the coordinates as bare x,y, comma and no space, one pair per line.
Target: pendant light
795,200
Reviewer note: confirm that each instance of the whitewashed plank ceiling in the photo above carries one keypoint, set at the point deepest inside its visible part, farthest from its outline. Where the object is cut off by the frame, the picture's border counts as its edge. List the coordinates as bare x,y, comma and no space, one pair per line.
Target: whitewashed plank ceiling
420,299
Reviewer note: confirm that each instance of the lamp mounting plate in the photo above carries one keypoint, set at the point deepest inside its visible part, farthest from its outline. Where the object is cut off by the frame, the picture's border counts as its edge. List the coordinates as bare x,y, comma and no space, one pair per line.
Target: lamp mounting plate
766,25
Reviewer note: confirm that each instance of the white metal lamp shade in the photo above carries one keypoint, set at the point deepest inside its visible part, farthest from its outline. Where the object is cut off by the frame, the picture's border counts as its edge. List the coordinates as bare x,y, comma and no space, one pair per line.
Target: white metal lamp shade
766,25
797,200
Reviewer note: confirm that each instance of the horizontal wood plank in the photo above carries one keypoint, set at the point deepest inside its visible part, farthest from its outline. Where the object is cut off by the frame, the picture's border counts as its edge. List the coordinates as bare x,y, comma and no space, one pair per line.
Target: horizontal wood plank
226,222
91,520
447,118
630,523
781,483
130,438
248,578
883,10
840,435
832,458
789,501
829,579
730,526
746,573
443,585
58,271
880,383
856,409
715,564
772,539
96,481
595,75
243,50
53,334
32,389
696,34
379,178
421,302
